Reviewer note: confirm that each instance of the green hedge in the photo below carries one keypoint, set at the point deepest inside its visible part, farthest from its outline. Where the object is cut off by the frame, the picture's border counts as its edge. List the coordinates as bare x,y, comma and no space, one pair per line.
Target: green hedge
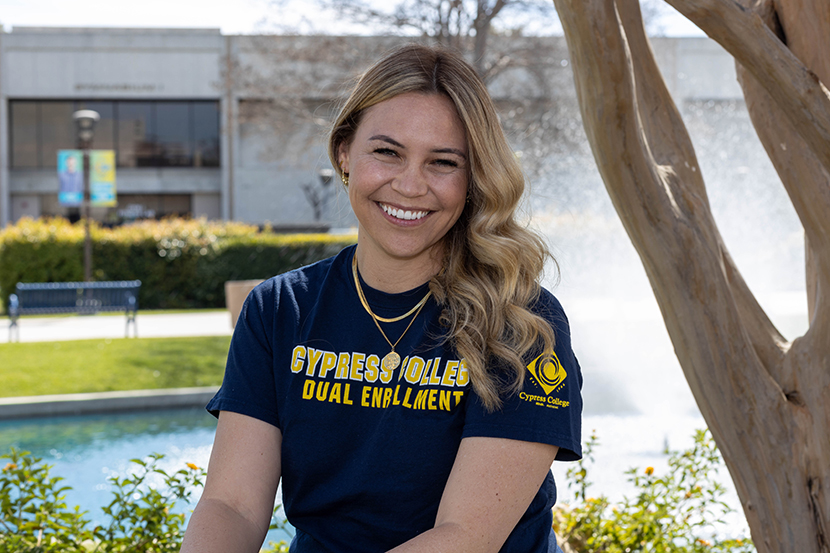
181,263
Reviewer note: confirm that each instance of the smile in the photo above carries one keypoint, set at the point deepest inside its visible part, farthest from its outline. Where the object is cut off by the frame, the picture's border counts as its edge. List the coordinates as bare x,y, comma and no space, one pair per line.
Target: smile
401,214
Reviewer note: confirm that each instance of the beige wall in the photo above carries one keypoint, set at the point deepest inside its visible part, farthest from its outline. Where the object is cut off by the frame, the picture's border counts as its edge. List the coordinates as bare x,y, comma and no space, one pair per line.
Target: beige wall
25,205
206,205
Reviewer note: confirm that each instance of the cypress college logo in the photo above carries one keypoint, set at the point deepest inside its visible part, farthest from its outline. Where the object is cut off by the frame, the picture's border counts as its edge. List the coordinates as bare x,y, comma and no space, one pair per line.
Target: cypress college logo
547,372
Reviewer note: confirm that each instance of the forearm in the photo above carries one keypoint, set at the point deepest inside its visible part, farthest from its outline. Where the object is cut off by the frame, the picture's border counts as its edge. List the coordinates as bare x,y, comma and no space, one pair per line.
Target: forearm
491,485
448,538
216,527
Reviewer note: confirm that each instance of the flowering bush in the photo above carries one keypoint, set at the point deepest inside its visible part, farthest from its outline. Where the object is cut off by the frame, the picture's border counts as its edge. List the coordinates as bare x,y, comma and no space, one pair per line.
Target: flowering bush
34,517
680,512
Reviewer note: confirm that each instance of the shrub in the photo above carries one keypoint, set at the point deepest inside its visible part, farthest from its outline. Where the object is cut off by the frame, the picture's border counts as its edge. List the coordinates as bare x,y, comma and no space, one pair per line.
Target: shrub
675,513
181,263
35,519
680,512
141,516
33,514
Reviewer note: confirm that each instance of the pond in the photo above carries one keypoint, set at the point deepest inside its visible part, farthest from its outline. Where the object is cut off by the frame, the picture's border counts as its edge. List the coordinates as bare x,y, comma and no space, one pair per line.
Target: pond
87,450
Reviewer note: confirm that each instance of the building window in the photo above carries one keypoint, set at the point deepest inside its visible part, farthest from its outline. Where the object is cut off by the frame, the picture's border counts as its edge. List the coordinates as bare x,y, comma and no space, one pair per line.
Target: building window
105,128
142,133
56,130
24,132
205,134
136,145
174,134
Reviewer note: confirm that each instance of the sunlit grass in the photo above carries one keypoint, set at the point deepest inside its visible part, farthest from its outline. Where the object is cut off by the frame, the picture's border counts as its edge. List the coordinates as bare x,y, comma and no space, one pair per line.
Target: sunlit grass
105,365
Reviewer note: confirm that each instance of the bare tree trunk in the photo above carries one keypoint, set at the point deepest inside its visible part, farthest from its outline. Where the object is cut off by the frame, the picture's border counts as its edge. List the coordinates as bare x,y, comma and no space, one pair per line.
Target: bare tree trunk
483,19
766,401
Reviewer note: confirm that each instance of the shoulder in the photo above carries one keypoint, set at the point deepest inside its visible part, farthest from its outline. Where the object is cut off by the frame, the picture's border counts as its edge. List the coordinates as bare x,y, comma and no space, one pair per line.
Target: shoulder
547,306
547,406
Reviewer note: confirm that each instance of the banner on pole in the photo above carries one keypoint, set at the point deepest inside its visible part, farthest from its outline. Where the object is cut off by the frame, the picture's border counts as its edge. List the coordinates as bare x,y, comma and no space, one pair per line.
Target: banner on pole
70,177
102,178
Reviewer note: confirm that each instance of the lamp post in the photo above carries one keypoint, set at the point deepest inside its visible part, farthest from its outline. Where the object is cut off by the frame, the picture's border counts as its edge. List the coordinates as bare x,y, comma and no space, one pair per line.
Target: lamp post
326,175
85,120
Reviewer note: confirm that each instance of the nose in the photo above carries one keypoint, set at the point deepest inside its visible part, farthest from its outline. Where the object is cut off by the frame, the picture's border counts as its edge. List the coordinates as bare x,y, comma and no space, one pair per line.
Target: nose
411,182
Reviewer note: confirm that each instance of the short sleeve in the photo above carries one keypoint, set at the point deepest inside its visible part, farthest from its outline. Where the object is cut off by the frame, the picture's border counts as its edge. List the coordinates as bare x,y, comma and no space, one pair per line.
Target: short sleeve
548,409
248,387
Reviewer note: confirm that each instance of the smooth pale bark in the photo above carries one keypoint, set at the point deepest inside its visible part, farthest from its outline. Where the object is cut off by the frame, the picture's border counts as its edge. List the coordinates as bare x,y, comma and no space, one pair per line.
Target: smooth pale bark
766,400
795,88
805,27
806,24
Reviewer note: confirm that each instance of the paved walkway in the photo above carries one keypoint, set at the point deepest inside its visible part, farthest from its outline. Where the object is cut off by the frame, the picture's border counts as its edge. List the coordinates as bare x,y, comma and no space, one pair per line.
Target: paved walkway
78,327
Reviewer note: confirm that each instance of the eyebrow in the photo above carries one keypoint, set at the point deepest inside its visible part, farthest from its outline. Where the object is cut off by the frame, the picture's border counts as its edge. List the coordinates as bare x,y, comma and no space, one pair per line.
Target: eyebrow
394,142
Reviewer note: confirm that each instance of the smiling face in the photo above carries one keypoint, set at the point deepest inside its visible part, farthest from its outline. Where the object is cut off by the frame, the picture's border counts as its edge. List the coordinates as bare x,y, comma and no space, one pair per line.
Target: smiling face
408,171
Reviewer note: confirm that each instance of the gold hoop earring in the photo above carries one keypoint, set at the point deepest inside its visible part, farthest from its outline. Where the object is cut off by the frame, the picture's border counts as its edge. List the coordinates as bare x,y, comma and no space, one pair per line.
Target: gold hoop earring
344,176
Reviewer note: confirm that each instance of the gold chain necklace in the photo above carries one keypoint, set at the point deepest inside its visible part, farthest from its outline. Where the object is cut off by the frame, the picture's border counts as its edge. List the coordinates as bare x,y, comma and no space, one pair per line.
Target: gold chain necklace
417,307
392,359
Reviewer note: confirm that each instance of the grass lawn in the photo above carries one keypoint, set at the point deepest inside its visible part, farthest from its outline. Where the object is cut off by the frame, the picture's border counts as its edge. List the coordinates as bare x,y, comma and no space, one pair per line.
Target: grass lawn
104,365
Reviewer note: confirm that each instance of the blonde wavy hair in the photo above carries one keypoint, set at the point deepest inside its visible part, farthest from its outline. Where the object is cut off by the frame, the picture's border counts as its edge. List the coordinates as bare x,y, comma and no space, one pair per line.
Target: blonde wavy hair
492,263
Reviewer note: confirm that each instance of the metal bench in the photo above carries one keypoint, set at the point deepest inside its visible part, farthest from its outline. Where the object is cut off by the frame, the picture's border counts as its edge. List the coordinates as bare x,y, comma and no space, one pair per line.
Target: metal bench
84,298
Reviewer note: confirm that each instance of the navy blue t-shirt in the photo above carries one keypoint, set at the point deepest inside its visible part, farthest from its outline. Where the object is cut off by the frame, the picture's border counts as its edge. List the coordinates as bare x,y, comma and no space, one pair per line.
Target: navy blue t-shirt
366,452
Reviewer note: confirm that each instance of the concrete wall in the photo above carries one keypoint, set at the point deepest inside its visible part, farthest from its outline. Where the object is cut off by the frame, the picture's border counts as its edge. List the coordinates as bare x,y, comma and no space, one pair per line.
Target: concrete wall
107,63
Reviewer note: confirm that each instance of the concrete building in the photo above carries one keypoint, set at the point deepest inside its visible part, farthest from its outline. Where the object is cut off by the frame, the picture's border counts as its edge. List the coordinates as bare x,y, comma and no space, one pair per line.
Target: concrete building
232,127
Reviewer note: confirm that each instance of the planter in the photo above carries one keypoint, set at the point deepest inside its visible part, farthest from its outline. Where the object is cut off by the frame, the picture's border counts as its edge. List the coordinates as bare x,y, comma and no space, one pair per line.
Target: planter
235,293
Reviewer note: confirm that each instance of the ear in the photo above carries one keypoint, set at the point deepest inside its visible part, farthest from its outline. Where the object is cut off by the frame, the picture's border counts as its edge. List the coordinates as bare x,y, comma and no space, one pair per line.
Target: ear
343,157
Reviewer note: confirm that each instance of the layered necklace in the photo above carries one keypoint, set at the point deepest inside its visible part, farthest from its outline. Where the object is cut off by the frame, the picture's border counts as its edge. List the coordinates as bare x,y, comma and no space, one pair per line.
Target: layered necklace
392,359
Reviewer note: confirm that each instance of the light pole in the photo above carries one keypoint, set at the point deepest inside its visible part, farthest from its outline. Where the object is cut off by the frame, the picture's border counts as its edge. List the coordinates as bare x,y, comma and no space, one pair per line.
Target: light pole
85,120
317,196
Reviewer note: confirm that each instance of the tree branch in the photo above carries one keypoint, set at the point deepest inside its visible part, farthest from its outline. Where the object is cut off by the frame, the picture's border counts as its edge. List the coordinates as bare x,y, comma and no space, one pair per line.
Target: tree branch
668,140
671,145
796,89
807,182
663,206
671,148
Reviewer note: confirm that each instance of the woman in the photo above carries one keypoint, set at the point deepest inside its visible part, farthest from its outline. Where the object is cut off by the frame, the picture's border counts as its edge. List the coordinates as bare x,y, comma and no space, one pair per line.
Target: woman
413,391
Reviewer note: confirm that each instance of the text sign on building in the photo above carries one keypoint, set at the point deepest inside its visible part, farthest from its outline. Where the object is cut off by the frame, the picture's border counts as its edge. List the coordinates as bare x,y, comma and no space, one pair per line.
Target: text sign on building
70,177
101,178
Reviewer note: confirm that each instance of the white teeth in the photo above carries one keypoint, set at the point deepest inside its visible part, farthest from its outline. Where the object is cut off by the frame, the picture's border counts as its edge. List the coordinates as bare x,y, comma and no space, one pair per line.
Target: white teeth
405,215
